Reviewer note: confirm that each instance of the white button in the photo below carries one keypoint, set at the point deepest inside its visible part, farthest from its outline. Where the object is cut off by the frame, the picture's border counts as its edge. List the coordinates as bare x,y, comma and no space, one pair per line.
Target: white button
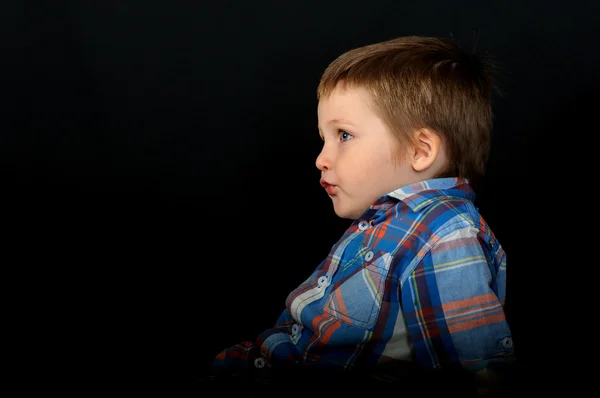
369,256
322,280
363,225
259,363
295,328
507,342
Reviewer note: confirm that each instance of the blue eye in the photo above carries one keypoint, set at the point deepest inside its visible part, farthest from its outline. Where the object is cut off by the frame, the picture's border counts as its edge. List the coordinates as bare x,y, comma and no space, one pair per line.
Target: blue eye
344,135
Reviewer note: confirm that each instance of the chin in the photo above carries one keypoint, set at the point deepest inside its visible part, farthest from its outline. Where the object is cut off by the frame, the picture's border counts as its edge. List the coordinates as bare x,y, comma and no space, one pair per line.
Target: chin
345,213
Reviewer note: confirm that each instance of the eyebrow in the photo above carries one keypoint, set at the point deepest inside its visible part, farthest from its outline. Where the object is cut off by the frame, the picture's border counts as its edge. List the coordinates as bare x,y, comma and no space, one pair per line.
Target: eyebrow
340,121
337,121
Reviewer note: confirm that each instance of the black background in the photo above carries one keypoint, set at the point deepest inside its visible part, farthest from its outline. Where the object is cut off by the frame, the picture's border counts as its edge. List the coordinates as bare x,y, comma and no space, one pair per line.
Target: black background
157,164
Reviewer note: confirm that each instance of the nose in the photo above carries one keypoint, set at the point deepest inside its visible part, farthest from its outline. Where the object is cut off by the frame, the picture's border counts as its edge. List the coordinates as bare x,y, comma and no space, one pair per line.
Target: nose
323,161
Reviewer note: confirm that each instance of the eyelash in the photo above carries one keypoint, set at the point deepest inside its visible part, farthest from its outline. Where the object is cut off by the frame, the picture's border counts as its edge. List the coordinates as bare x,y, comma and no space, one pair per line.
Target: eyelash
340,132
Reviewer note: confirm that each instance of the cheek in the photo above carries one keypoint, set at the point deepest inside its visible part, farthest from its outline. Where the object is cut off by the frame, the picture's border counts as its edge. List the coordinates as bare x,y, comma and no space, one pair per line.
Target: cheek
366,172
364,168
374,162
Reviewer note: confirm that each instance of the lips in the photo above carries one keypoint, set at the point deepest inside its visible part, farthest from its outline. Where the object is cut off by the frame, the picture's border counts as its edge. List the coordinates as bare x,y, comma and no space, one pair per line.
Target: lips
330,188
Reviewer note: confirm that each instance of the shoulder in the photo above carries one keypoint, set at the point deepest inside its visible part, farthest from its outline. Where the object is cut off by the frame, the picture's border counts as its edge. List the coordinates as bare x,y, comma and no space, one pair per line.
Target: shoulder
438,217
443,223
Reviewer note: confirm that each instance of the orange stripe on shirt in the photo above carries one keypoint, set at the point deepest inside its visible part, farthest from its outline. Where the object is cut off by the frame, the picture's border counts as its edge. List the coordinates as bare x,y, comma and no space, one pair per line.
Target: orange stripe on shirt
470,302
340,307
330,329
477,322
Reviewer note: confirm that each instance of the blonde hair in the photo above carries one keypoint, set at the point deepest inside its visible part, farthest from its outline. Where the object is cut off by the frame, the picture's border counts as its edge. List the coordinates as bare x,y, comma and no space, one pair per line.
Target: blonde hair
425,82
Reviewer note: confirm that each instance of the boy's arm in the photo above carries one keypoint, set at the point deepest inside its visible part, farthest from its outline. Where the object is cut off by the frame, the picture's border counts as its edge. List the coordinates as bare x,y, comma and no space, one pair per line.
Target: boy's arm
453,309
254,354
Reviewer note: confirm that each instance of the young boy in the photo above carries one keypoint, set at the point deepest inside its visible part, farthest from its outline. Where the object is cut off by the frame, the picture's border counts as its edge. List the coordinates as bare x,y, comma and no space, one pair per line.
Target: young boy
418,278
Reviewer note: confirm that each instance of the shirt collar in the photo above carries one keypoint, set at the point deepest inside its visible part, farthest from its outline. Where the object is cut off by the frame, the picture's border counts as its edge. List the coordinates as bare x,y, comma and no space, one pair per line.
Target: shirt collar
424,192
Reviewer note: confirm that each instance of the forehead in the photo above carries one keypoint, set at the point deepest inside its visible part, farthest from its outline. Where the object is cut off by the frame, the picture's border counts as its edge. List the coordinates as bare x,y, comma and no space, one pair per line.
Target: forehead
344,102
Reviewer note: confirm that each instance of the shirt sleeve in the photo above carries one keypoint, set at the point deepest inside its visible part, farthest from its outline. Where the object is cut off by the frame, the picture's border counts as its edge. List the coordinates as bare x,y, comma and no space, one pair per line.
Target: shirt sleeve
274,345
452,307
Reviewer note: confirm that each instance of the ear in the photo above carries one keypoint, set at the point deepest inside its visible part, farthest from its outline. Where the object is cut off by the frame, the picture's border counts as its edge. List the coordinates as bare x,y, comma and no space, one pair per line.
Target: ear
425,150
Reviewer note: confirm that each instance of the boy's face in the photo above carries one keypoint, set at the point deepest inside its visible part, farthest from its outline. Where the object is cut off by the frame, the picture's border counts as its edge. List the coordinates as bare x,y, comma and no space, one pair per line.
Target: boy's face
356,160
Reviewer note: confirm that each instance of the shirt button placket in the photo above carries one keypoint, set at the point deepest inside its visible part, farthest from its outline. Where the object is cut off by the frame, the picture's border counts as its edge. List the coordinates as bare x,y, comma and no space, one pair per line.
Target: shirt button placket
322,282
259,363
363,225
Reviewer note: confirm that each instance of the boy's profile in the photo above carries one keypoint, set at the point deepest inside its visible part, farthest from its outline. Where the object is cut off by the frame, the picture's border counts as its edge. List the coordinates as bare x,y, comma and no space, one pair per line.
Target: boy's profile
418,280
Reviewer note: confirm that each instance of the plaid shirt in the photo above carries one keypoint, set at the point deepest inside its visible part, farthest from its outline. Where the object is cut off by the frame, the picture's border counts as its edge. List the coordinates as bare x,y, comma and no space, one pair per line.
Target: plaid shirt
419,277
